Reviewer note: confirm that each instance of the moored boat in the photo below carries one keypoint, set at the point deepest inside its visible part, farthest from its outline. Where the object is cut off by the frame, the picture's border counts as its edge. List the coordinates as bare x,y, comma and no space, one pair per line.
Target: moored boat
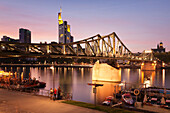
10,82
127,99
108,100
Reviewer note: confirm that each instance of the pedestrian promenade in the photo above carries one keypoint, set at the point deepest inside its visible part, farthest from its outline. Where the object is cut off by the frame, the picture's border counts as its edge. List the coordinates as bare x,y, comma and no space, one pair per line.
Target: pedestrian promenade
20,102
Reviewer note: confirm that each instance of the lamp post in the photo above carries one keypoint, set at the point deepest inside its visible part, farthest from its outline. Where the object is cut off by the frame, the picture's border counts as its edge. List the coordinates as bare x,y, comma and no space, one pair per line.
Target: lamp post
52,68
94,90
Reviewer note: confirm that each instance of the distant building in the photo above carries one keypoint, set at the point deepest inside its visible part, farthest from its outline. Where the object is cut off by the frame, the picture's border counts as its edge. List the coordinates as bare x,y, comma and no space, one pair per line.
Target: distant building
160,48
24,35
9,39
64,31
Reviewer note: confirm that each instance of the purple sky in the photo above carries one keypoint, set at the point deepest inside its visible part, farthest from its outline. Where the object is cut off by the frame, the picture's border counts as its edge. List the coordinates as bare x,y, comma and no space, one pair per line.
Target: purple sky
140,24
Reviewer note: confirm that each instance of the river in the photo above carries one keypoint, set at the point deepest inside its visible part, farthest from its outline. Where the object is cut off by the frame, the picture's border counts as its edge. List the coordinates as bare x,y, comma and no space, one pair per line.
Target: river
74,80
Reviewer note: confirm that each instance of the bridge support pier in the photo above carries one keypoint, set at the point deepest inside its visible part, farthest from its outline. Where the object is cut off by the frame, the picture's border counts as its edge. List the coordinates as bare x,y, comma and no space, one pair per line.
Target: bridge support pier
148,66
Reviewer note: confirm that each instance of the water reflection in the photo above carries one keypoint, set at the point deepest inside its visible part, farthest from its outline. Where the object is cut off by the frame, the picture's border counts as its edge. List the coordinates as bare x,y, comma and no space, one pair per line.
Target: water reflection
163,77
74,80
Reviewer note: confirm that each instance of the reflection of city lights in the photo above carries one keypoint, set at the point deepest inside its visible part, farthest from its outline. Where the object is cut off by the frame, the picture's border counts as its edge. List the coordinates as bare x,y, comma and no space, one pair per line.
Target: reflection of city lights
163,64
142,64
82,72
52,67
142,77
163,77
128,74
148,83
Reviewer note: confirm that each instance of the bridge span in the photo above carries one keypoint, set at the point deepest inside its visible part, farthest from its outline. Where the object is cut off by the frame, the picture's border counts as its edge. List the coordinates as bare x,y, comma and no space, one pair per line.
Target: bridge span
95,47
108,47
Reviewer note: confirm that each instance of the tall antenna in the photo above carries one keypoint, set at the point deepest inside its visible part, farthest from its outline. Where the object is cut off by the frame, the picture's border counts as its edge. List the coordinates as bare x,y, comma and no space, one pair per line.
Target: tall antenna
60,9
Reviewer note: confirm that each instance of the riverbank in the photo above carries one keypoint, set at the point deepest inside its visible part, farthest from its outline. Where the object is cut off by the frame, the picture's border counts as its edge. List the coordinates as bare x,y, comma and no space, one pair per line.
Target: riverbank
108,109
21,102
47,65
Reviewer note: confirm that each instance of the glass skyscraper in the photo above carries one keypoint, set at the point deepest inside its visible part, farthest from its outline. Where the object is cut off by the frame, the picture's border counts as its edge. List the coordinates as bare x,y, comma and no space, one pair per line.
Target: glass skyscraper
64,31
24,35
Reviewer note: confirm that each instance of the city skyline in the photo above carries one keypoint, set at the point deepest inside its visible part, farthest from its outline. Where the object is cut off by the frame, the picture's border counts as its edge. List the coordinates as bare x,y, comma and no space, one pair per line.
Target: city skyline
141,25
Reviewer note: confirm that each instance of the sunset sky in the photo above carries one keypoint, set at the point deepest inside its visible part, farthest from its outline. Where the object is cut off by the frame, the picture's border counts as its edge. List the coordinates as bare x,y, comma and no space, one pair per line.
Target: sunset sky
140,24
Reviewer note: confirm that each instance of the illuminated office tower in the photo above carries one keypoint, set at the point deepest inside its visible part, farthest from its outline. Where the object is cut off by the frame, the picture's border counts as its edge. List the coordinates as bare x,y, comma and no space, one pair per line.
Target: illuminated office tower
64,31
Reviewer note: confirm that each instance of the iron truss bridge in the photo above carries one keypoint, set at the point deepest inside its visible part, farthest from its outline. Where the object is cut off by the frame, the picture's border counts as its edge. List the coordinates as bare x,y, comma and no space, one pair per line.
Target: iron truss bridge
96,47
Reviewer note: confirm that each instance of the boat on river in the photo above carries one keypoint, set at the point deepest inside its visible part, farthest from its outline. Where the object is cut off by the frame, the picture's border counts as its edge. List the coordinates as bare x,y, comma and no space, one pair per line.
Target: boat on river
22,85
9,82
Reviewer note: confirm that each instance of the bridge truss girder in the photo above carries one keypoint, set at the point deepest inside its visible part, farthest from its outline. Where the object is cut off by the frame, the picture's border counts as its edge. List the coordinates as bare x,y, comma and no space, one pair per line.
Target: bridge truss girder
109,46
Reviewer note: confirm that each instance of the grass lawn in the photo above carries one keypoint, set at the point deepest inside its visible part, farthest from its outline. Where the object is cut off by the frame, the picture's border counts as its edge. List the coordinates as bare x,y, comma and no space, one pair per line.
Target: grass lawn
98,107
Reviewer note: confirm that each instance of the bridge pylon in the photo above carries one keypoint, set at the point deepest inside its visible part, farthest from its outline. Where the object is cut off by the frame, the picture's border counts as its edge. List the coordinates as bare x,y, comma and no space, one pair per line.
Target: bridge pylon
148,66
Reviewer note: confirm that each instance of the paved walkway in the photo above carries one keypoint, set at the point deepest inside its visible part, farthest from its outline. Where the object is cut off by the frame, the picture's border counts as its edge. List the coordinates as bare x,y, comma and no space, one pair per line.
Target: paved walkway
19,102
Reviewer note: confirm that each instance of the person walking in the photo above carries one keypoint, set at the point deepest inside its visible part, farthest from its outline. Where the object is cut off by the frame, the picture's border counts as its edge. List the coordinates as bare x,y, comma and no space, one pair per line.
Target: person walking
59,92
55,93
51,93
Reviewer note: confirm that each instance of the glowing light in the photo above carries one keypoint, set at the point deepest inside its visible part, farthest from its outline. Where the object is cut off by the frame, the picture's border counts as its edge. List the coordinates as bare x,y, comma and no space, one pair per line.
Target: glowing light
5,73
48,51
52,67
142,64
60,10
148,83
163,64
163,77
142,77
60,21
82,72
68,28
1,72
61,35
128,74
121,84
148,51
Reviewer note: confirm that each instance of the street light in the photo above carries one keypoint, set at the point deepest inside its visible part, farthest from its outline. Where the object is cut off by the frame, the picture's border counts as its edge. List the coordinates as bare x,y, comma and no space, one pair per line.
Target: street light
94,90
52,68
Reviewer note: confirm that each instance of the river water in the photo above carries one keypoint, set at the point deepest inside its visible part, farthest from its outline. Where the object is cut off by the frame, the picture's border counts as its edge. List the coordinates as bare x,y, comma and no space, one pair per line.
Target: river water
74,80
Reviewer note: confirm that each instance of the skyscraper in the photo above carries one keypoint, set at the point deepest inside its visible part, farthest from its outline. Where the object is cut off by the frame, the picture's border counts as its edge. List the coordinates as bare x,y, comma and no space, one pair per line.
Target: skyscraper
24,35
64,31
